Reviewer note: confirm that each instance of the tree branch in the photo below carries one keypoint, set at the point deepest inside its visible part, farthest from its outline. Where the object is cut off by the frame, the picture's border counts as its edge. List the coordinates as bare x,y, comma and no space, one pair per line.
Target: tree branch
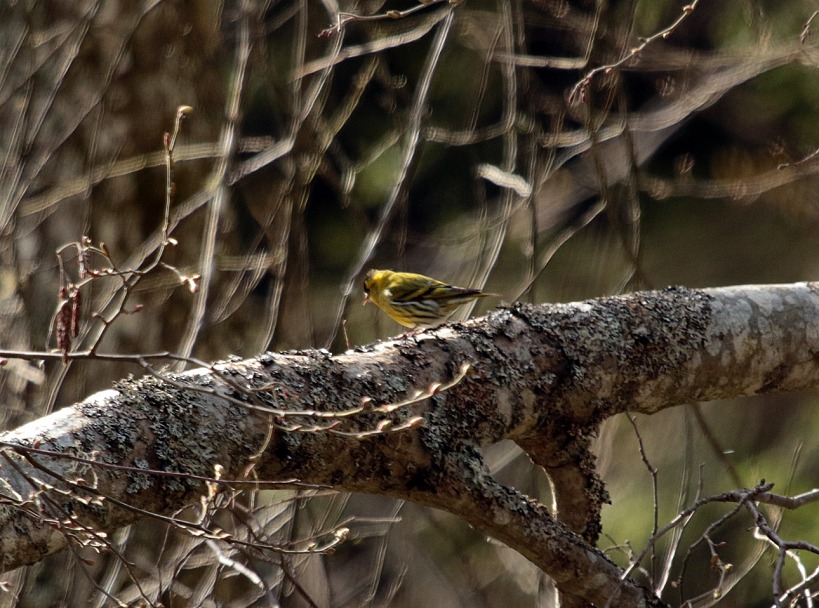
539,375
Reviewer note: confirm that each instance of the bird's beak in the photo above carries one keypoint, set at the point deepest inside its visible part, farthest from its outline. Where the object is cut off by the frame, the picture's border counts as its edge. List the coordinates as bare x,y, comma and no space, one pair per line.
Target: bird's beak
366,299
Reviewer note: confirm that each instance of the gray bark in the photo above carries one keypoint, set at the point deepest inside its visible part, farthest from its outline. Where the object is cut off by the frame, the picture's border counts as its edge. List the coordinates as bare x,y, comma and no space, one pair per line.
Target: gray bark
543,376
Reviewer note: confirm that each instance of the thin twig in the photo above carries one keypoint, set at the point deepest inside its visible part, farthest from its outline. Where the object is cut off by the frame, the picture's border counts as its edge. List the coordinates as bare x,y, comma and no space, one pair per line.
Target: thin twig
578,92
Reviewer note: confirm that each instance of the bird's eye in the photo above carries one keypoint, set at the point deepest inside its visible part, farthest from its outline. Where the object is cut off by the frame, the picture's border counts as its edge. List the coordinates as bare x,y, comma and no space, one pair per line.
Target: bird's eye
366,289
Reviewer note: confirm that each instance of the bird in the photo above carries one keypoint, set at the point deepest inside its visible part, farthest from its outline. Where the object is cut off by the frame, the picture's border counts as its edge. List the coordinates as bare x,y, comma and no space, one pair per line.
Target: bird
414,300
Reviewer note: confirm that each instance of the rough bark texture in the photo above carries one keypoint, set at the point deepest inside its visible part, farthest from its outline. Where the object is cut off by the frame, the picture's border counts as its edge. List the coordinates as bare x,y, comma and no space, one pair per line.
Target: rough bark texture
544,376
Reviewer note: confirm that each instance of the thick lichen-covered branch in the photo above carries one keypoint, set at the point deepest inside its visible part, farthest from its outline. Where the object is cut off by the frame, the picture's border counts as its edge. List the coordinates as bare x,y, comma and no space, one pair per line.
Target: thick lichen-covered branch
411,419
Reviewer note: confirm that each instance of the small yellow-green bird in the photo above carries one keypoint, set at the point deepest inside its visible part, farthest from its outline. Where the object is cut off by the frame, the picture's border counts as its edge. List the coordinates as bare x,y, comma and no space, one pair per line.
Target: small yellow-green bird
413,300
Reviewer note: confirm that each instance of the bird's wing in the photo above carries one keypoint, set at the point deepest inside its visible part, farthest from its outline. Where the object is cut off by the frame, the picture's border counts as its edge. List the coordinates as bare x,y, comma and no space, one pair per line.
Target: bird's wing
409,290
